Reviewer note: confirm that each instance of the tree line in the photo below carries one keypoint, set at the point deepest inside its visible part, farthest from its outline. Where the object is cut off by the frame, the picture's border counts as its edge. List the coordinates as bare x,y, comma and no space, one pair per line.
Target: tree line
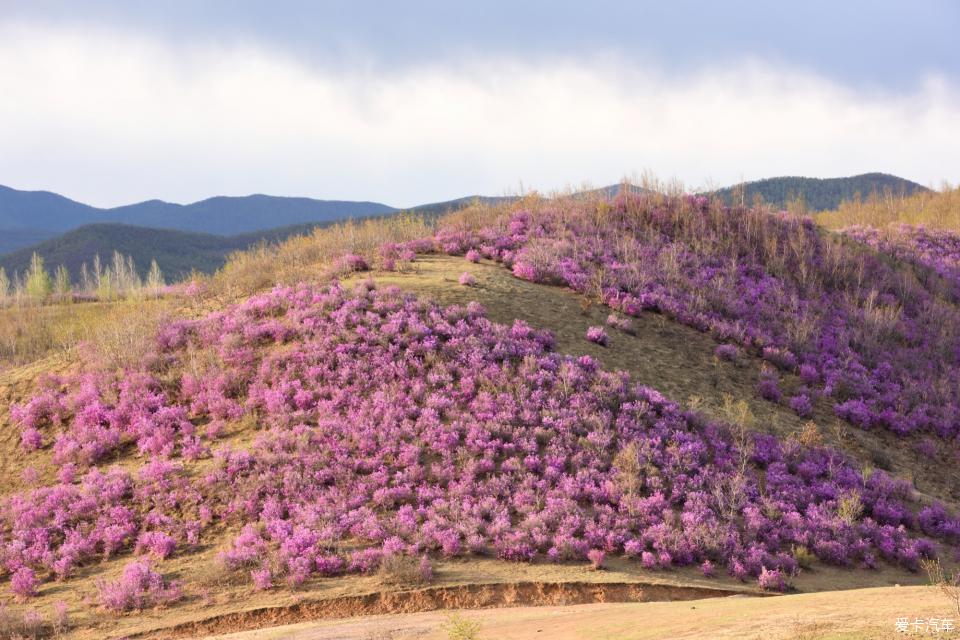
101,281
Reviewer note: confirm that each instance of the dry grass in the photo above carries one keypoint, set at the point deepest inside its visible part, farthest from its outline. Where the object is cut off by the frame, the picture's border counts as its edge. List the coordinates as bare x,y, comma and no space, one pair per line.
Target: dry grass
402,570
118,330
304,258
937,209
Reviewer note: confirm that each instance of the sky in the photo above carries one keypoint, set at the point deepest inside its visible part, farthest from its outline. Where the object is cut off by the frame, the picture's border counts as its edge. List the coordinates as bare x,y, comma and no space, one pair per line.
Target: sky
419,101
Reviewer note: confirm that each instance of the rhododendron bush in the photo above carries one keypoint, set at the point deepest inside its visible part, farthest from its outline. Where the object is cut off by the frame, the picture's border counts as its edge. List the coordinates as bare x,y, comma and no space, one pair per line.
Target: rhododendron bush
933,249
877,339
390,425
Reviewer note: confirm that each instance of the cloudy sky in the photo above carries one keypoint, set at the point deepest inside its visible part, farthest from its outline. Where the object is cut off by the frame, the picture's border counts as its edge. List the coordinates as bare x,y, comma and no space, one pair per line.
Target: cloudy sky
416,101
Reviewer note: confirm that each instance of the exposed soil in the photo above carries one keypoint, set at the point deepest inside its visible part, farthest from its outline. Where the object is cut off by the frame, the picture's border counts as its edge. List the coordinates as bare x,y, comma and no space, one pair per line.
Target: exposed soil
863,614
479,596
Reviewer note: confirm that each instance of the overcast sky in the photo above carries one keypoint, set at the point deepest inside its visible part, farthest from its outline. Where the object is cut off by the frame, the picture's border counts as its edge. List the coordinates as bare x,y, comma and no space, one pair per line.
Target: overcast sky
410,102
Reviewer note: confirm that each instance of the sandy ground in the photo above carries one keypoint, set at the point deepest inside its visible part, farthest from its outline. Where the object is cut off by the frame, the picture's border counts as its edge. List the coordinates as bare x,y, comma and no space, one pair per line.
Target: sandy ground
850,615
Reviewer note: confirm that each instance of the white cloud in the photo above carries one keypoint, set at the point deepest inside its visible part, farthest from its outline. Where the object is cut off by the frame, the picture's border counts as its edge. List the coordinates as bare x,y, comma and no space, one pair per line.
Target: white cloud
109,118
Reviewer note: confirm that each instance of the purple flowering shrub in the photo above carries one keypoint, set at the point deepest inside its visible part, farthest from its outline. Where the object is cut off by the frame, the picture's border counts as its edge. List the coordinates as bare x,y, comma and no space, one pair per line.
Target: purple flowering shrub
728,352
801,405
23,583
859,326
391,426
597,335
932,249
56,529
137,588
597,557
622,323
772,580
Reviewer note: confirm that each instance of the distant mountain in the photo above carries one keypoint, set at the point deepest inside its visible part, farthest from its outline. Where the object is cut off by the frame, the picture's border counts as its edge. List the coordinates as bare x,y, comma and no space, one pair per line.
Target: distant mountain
201,235
819,194
13,239
176,252
49,212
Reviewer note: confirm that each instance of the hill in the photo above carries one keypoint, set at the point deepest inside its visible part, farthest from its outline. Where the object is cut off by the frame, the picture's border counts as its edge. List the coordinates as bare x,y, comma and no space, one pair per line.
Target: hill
779,433
50,212
13,239
818,194
437,209
177,253
578,401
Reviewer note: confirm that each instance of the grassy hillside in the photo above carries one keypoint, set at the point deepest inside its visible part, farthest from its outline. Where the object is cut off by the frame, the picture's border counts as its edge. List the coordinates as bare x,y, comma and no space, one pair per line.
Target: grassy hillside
818,194
577,397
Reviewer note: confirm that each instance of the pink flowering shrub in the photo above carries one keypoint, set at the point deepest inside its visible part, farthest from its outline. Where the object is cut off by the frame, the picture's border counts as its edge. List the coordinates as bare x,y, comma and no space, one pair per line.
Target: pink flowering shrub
772,580
156,543
597,335
708,569
801,405
23,583
390,426
425,569
596,557
728,352
467,279
768,386
351,262
262,579
137,588
860,323
623,323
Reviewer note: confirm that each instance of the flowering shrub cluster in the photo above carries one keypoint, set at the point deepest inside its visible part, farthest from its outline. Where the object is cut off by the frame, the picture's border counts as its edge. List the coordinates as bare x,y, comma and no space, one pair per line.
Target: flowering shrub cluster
137,588
932,249
392,426
864,331
623,323
597,335
727,352
53,530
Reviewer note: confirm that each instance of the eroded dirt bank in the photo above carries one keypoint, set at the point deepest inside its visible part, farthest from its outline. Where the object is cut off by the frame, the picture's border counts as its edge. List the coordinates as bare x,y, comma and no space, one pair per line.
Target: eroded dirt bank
483,596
